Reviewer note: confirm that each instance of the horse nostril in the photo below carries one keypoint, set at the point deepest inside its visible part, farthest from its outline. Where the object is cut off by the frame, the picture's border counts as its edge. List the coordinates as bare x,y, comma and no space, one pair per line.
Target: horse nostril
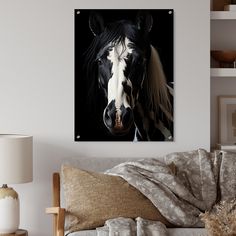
107,118
127,116
107,115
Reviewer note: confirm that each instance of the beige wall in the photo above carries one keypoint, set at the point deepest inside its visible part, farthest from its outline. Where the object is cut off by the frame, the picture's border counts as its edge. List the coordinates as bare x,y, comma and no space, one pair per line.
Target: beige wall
36,88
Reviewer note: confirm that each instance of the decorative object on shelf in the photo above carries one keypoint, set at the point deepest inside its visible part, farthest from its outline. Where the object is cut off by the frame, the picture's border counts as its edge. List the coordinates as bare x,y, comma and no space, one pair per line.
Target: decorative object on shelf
221,220
231,6
218,5
227,119
226,59
15,167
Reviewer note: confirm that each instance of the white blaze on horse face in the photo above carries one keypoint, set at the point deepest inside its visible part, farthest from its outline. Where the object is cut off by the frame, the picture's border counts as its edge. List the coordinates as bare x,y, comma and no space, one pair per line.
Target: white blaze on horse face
117,56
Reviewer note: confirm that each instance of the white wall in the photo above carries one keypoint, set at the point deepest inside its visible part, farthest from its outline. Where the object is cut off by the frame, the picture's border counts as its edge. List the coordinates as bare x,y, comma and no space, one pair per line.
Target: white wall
37,79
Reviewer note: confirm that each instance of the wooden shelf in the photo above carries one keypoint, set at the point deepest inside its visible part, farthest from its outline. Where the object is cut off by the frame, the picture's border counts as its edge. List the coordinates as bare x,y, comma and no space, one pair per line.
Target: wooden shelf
223,15
223,72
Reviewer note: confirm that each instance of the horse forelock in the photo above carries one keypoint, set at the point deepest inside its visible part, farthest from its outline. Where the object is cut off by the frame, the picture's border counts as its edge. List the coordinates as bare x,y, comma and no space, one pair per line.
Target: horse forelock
114,33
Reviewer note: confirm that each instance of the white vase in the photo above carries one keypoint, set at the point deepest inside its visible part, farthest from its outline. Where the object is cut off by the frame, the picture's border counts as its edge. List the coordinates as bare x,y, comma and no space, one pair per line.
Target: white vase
9,210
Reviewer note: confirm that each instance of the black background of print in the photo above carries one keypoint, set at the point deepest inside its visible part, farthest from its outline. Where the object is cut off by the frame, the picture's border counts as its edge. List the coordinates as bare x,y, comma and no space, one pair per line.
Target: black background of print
161,35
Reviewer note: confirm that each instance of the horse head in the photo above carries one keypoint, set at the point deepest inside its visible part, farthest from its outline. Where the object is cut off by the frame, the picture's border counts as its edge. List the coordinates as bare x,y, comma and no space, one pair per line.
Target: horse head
122,54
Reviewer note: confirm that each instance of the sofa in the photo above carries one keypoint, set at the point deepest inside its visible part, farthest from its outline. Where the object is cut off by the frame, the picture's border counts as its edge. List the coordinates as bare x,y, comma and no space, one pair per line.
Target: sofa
98,165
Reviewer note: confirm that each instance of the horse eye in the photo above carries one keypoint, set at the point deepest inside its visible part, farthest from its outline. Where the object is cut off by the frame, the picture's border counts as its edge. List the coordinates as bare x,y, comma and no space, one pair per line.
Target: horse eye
99,61
140,61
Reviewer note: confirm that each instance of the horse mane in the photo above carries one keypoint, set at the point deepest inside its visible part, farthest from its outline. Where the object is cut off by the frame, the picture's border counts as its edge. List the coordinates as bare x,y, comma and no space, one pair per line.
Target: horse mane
155,87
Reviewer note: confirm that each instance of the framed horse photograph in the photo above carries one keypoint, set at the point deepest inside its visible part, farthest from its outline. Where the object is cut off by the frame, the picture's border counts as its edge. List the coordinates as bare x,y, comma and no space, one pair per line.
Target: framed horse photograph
124,80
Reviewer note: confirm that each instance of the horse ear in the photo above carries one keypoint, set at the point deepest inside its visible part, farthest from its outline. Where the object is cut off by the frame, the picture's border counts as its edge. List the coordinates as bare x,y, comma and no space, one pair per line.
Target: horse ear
96,23
144,21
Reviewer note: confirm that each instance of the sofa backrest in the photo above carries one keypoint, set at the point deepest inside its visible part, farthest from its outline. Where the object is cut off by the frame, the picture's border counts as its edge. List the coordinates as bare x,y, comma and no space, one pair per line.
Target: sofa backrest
98,164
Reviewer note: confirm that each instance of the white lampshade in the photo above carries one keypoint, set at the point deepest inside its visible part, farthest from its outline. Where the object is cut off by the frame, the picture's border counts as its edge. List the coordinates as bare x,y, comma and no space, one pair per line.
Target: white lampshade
16,164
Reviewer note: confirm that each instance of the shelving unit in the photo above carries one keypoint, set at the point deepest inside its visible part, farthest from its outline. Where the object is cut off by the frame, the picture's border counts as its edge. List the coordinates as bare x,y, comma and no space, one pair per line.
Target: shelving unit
223,15
223,72
223,80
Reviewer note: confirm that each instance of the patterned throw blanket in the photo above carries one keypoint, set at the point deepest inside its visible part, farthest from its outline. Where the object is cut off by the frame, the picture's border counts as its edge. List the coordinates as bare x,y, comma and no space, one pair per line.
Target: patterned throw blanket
200,179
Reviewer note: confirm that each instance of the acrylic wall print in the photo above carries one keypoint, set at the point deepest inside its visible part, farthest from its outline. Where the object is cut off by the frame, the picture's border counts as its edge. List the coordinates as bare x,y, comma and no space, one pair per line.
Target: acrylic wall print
124,88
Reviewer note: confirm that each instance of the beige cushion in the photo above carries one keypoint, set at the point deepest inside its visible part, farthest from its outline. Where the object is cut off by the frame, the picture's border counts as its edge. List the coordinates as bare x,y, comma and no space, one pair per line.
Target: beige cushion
92,198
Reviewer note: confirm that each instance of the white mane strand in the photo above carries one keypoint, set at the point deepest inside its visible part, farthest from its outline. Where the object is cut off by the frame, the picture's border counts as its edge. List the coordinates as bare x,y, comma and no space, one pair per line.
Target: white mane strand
156,86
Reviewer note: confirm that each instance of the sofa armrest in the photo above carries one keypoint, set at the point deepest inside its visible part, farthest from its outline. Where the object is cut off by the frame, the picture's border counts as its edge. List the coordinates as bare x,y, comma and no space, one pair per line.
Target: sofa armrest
59,220
56,210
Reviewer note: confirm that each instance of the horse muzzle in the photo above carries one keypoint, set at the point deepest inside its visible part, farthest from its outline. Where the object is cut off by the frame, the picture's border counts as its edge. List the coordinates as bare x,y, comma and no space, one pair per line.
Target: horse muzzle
118,121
